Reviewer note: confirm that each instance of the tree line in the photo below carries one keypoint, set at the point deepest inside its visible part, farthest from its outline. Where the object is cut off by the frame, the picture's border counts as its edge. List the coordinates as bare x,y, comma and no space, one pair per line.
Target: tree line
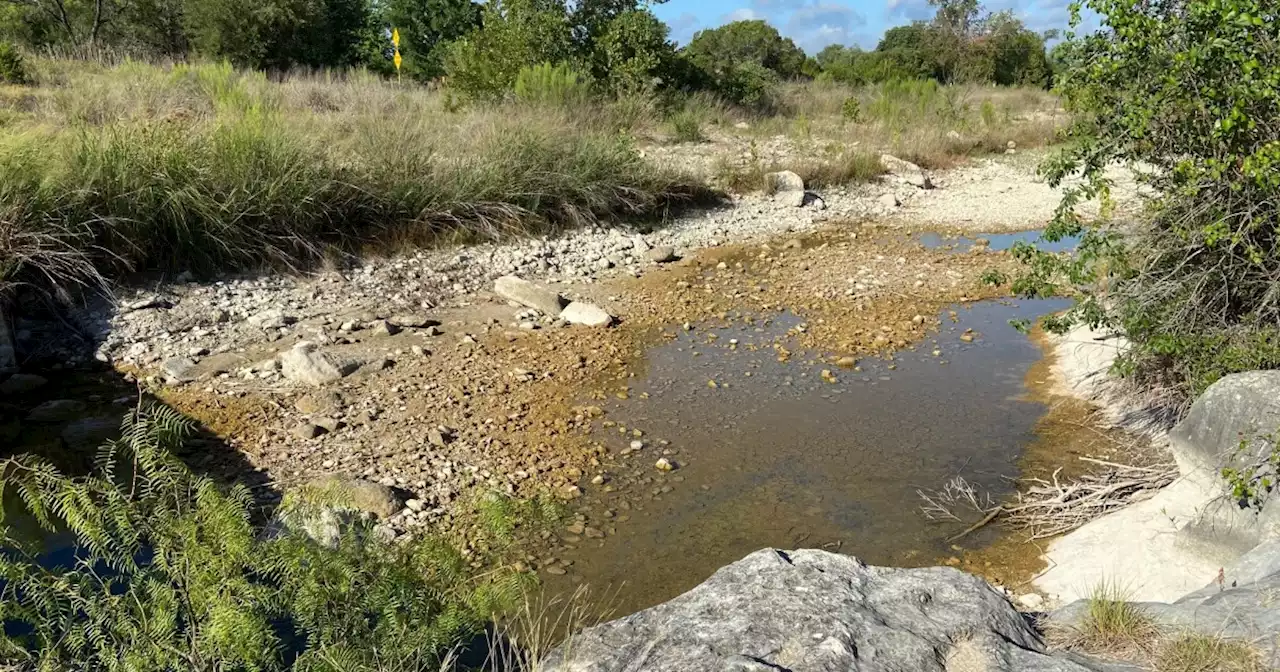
618,45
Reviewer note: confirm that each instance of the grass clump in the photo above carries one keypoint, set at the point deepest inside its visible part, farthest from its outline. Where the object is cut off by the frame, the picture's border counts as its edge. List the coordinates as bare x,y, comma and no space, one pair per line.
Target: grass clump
1113,625
208,168
686,125
168,570
1201,653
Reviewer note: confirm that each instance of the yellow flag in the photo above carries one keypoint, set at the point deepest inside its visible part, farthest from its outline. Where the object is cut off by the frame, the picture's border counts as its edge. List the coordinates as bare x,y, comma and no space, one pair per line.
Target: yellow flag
397,59
395,37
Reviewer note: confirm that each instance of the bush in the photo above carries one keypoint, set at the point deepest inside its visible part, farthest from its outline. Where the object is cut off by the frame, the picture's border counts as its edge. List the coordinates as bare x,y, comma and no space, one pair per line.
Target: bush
515,34
633,56
1187,91
12,68
168,571
851,109
548,84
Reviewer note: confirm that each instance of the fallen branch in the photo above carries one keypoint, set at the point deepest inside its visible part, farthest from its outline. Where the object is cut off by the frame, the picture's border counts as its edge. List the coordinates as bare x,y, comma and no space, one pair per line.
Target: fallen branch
1047,508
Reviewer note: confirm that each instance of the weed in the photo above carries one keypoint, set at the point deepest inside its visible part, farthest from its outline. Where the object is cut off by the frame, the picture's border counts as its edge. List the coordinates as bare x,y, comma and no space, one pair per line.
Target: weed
851,110
13,69
548,84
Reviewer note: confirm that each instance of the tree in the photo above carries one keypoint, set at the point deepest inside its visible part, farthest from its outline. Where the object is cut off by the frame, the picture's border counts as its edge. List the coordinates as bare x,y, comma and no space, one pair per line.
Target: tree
1189,91
720,50
79,23
427,27
515,34
957,16
632,54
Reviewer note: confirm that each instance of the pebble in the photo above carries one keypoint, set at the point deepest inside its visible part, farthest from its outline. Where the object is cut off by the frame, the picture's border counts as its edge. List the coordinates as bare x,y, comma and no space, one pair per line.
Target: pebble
663,464
307,430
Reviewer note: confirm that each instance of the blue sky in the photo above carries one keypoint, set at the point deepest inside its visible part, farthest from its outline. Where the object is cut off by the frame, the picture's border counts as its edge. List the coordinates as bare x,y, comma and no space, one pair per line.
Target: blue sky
813,24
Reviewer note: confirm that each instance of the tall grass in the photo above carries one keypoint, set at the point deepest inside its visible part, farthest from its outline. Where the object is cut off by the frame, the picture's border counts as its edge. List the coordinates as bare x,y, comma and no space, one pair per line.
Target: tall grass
204,167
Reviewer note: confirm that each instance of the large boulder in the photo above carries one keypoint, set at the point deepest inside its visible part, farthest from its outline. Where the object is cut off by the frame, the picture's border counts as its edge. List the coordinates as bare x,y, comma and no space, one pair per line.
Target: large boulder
525,293
906,171
814,611
787,187
1241,605
307,363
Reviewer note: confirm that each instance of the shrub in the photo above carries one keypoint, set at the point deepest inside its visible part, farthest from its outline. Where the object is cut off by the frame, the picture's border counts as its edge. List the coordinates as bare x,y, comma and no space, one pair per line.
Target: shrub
12,68
687,126
633,56
1187,92
548,84
168,571
515,34
851,109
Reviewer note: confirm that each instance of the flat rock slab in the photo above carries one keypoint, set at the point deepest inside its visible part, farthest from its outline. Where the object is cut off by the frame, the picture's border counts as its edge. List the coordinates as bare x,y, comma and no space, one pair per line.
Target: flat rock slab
525,293
306,363
586,314
814,611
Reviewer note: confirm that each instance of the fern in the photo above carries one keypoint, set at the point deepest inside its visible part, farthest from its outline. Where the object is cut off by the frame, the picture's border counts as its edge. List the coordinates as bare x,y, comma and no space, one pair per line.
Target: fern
168,571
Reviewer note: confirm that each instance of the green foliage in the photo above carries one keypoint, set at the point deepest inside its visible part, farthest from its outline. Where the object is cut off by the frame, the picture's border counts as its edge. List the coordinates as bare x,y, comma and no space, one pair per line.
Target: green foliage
743,60
548,84
994,277
1253,471
1190,92
515,34
687,125
169,572
851,109
13,69
427,27
632,56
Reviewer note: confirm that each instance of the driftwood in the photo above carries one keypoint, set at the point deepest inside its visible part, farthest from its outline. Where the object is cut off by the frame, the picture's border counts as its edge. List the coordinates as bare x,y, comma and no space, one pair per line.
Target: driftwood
1047,508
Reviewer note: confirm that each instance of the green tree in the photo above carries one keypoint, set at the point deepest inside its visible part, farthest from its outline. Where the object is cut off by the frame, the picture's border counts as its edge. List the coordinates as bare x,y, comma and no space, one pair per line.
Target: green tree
77,23
515,34
279,33
632,54
427,27
744,60
719,50
1188,92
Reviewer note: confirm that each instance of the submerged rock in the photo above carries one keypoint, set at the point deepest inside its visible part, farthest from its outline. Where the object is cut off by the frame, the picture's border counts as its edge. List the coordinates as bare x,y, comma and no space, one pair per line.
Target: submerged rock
57,410
814,611
21,383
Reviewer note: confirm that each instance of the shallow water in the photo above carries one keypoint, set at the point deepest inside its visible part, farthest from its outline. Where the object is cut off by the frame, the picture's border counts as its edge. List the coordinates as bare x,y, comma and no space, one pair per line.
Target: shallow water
775,455
997,241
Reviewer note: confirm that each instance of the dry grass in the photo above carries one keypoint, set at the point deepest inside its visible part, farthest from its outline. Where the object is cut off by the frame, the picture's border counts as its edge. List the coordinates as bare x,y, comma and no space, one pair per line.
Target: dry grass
202,167
1201,653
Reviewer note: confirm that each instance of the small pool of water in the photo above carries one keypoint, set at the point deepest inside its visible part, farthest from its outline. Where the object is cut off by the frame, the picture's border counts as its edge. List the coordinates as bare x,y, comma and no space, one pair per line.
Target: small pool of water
997,241
777,454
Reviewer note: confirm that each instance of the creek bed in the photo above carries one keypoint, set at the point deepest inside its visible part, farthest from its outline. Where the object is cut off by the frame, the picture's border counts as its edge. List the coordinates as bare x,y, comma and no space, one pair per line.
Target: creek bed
779,454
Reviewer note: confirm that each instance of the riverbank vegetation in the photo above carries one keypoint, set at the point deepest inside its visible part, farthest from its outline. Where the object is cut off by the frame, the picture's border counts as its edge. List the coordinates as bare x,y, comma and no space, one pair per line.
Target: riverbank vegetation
144,565
1187,93
216,136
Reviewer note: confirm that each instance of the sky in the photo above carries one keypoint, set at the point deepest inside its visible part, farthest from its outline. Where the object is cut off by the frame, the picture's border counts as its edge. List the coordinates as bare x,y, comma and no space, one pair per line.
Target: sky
814,24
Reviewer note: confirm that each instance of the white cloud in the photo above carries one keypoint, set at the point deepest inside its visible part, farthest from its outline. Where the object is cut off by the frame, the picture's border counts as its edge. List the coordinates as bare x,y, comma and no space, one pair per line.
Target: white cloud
743,14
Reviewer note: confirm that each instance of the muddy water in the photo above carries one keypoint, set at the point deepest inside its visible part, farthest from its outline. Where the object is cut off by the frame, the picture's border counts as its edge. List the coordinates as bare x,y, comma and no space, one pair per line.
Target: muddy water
997,241
778,455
